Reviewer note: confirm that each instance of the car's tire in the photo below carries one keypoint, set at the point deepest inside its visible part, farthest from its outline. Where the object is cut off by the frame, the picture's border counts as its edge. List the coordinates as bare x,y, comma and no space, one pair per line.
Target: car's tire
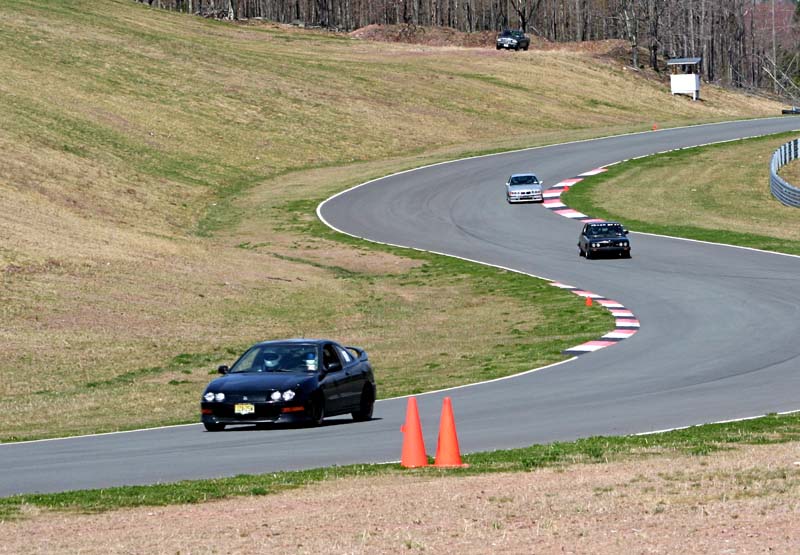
525,48
498,48
317,411
589,254
213,427
516,48
365,406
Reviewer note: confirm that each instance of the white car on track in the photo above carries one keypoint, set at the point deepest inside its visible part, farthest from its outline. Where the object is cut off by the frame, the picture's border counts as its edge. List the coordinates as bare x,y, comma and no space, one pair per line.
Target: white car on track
524,187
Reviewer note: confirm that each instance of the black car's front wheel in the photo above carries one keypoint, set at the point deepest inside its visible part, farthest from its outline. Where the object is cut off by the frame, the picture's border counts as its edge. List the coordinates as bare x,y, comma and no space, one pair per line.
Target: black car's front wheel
213,427
365,406
317,411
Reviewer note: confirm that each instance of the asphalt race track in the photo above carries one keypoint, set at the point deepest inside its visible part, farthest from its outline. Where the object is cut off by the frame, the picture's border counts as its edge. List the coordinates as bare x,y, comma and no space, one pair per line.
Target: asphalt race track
718,339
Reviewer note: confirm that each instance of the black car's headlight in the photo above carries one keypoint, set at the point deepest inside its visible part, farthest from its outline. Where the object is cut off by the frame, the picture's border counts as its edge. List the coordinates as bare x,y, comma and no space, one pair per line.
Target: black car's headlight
211,396
287,395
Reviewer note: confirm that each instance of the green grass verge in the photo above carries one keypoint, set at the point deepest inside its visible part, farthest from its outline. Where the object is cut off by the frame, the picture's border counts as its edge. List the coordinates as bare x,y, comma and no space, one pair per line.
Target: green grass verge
697,440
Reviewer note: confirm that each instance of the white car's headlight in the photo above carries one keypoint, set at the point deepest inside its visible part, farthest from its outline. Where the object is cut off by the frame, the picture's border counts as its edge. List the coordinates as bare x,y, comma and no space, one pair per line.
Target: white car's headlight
208,396
219,396
276,396
288,395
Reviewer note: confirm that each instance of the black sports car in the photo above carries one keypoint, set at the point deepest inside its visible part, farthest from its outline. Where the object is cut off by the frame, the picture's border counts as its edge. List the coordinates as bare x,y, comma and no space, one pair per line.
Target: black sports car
604,238
293,380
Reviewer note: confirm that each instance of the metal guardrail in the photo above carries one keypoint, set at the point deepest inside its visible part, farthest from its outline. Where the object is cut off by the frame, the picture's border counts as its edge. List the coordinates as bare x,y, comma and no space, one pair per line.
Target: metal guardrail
782,190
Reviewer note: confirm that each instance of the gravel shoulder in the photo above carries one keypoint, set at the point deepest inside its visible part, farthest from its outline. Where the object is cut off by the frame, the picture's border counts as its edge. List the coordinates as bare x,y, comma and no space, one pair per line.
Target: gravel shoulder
745,500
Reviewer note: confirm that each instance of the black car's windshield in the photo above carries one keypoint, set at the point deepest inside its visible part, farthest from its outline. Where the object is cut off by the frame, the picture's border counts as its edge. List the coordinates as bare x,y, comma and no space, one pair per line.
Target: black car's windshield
605,230
278,358
505,33
523,180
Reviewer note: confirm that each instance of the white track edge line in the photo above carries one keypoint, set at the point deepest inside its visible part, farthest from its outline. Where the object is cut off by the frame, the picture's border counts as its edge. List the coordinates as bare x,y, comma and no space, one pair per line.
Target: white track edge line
743,419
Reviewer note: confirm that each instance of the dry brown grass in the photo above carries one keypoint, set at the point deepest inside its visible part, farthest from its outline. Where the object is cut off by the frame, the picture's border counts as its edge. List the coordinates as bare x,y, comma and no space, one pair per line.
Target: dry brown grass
739,501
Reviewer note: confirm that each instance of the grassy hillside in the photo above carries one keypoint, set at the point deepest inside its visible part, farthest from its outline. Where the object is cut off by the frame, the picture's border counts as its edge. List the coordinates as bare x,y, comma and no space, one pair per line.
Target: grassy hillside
158,179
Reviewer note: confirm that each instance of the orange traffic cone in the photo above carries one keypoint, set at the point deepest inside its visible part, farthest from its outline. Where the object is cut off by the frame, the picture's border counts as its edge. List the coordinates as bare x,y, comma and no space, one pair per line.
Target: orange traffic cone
588,301
413,443
447,452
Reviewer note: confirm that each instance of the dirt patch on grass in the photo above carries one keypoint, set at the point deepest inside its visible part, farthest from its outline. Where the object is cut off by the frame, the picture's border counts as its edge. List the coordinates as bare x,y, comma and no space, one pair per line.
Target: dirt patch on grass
611,49
430,36
446,36
742,501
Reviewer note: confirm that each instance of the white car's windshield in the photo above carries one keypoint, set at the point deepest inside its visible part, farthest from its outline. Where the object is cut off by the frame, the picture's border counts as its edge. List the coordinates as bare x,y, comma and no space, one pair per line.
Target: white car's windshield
523,180
278,358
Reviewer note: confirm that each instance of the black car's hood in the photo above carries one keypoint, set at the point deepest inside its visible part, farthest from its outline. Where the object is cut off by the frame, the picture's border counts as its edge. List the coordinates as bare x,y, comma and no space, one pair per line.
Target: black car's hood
252,382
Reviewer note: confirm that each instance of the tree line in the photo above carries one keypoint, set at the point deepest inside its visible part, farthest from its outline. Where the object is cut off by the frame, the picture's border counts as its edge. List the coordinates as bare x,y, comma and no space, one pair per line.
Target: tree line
743,43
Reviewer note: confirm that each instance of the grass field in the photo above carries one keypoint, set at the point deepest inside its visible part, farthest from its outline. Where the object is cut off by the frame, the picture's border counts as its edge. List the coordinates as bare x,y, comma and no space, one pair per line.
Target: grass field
716,193
158,179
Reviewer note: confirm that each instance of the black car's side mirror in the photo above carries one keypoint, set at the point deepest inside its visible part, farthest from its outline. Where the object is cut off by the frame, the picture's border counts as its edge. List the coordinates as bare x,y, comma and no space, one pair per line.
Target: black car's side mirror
625,230
223,369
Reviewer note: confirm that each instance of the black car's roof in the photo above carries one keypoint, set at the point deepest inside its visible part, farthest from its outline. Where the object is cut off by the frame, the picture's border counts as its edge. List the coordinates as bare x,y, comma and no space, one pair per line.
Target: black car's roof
295,340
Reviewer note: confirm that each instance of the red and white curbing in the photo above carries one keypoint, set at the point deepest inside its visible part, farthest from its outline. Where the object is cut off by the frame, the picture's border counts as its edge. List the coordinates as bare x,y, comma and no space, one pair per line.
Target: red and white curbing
552,197
625,321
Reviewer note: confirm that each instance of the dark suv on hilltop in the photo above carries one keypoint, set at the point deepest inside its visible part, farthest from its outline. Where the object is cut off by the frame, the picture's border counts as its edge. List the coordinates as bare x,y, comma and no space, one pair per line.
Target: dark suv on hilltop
513,39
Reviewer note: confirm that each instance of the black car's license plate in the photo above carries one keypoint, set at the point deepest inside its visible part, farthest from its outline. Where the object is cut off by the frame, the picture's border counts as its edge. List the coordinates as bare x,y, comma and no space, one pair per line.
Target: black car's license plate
244,408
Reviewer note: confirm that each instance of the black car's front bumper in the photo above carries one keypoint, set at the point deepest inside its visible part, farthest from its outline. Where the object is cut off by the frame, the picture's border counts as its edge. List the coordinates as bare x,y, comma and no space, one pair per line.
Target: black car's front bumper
610,250
252,413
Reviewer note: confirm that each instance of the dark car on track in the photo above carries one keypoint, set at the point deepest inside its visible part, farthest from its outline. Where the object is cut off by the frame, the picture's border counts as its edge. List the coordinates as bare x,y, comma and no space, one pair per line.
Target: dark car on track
604,238
293,380
511,38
